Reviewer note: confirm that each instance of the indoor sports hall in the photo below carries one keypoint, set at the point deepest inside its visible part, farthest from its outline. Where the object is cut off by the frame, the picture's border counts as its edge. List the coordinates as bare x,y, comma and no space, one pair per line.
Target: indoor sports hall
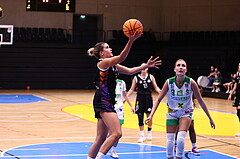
47,78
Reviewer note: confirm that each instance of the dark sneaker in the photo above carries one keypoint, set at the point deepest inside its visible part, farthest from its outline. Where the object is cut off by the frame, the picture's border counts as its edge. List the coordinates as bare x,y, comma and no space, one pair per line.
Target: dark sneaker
195,151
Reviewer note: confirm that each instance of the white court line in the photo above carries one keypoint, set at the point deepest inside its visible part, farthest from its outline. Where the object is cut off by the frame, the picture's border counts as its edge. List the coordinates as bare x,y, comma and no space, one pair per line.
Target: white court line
51,121
30,114
34,112
129,153
32,149
222,153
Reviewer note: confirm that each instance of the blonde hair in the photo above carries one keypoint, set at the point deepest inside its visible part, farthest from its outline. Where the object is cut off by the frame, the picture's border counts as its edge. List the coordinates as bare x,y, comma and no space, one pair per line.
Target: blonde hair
94,51
180,60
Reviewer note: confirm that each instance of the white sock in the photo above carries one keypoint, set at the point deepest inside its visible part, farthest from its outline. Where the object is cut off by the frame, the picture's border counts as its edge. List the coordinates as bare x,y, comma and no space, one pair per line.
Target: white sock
89,157
99,155
170,144
180,143
114,148
141,133
194,145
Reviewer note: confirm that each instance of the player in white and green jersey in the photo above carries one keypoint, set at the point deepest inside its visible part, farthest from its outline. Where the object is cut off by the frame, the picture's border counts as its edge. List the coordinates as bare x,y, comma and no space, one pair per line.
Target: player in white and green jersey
180,90
180,102
121,94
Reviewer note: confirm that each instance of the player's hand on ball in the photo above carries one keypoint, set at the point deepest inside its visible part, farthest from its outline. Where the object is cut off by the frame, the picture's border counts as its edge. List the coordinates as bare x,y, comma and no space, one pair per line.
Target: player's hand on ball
136,35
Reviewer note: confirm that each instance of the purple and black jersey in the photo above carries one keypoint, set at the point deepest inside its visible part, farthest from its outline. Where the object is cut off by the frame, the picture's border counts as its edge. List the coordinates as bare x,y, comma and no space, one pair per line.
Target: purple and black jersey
105,82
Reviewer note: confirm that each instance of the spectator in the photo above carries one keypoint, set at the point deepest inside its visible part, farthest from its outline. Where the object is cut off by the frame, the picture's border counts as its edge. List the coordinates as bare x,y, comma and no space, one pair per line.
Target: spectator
229,85
216,83
211,76
218,73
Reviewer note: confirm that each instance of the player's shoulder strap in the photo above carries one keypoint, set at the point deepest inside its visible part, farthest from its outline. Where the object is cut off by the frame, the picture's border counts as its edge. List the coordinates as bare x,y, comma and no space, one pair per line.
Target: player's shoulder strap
172,80
187,79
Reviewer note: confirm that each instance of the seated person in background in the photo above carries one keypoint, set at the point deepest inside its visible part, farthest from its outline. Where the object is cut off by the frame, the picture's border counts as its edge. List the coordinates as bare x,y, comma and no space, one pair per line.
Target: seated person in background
211,76
216,84
229,85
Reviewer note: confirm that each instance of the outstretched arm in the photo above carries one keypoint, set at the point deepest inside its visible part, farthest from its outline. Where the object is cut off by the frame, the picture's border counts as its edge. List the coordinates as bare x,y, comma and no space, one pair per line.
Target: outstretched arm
133,86
108,62
159,99
201,102
130,71
128,101
154,84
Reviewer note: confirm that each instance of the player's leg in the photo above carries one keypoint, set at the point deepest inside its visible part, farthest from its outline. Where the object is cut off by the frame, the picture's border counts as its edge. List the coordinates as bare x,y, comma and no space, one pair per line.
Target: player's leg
114,151
149,130
102,132
141,126
172,125
148,108
120,113
238,114
184,124
193,139
139,108
112,124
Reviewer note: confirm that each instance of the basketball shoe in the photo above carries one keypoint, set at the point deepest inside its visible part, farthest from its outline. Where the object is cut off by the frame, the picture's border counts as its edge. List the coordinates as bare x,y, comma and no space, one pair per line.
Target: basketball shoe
195,151
114,154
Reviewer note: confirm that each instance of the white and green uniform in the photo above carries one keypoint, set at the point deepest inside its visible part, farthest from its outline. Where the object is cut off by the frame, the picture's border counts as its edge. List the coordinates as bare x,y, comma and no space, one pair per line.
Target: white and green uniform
120,88
180,102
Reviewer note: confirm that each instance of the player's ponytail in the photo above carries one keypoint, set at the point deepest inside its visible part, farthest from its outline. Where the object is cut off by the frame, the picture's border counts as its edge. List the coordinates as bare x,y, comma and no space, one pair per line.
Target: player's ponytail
94,51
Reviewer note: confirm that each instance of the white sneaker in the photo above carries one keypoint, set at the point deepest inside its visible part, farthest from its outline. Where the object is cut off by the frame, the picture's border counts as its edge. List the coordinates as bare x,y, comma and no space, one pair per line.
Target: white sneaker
227,91
141,139
217,90
149,135
237,135
114,154
213,90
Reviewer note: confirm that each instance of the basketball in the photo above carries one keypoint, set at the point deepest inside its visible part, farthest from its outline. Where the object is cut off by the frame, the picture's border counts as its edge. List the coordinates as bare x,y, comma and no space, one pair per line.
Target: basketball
131,25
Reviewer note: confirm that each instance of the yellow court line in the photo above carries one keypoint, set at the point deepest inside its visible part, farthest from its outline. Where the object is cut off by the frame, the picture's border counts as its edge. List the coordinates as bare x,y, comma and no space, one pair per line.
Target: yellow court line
226,124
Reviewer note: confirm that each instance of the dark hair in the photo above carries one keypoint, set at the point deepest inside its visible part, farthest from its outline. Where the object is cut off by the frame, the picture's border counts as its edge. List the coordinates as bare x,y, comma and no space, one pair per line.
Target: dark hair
94,51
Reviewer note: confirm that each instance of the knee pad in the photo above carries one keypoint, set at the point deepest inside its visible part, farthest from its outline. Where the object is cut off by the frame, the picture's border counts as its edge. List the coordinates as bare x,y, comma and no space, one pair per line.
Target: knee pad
140,119
170,144
180,143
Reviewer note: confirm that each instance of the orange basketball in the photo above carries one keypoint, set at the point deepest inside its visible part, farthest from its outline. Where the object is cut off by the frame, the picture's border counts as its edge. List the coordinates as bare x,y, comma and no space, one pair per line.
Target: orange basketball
131,25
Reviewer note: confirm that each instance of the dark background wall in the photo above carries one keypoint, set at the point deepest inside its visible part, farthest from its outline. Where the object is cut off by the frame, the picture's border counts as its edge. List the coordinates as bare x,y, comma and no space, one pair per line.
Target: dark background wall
49,49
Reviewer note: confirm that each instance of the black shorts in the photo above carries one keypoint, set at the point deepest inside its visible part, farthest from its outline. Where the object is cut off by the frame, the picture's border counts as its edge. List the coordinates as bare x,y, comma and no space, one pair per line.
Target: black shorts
144,103
101,104
97,111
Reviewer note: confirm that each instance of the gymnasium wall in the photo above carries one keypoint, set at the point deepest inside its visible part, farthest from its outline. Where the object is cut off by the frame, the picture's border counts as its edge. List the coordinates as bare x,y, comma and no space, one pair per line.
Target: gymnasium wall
65,65
159,15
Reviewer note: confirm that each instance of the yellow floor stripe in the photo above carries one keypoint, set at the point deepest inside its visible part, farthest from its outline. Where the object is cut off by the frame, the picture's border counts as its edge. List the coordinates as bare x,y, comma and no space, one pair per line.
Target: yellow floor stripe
226,124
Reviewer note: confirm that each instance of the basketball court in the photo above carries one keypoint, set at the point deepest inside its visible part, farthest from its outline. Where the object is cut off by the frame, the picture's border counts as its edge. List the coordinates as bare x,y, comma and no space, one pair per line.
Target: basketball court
59,124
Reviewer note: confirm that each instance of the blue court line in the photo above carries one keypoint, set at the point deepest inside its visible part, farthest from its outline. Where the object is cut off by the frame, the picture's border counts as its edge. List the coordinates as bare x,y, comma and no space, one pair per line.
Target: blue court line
79,150
20,99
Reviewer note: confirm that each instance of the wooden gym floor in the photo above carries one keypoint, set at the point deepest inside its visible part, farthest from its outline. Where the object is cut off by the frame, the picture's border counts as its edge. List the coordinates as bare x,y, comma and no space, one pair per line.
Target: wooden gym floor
52,122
